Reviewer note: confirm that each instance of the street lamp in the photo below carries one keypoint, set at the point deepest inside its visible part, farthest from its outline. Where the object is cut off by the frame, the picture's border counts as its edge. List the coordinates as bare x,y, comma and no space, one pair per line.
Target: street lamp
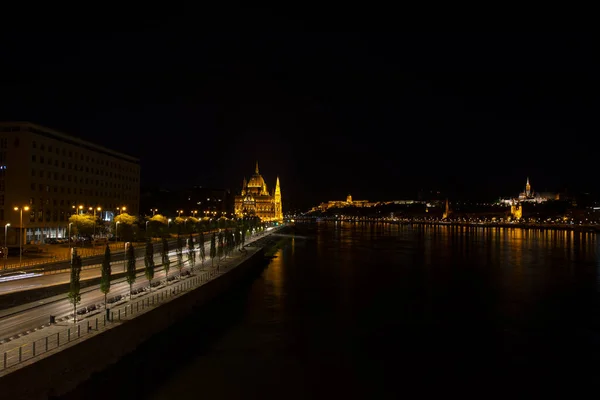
26,208
117,231
5,244
179,213
80,209
95,209
70,223
154,210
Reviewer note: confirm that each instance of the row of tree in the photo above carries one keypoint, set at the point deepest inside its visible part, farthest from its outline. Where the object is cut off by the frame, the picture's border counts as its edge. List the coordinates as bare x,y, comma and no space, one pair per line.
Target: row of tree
130,227
221,246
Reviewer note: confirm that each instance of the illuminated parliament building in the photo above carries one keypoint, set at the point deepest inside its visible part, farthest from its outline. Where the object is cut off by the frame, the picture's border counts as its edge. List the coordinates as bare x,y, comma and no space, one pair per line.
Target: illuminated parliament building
256,200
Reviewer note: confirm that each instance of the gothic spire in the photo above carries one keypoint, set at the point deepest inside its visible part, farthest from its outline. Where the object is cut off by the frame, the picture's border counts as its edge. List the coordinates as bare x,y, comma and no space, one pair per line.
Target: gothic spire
256,170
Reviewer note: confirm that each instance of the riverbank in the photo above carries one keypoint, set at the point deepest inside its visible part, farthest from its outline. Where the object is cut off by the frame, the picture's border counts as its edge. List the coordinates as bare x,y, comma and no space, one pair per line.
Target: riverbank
91,350
515,225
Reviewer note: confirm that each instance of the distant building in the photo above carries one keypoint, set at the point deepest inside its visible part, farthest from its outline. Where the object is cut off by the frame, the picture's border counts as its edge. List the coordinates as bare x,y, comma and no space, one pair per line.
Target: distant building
51,175
256,200
529,196
348,203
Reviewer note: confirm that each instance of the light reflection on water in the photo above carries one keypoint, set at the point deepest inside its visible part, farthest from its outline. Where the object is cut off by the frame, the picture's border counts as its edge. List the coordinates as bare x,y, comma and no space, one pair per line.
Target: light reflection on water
370,310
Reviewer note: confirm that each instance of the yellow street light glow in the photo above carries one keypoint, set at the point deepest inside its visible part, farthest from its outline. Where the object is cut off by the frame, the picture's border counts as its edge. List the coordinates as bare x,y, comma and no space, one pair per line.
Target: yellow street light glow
26,208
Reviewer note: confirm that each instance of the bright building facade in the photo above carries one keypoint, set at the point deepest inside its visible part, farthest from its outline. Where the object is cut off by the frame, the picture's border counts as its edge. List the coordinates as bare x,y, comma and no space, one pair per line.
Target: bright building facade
256,200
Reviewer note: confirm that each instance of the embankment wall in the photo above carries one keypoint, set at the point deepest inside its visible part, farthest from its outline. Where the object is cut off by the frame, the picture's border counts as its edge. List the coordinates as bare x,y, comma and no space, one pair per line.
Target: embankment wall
60,372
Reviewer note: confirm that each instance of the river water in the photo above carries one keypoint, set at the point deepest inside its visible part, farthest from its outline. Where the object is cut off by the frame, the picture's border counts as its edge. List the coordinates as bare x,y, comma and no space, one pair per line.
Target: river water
384,311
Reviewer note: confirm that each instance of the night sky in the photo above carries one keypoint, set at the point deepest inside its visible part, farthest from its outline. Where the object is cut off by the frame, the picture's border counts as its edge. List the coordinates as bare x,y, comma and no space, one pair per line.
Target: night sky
379,116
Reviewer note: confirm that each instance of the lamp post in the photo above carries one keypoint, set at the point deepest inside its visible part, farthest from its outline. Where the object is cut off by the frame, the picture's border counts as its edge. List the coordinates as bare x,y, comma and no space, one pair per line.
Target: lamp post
179,213
154,210
5,243
147,229
26,208
70,223
80,209
98,209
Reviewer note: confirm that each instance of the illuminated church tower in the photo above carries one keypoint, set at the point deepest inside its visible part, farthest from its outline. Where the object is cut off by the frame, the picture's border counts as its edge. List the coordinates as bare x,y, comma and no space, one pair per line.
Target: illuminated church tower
278,206
447,211
527,188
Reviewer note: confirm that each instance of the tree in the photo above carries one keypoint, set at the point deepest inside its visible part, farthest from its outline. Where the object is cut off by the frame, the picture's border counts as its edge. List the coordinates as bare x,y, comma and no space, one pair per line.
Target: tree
166,262
126,226
220,249
201,244
213,249
191,252
226,243
179,251
149,263
74,288
130,273
238,239
83,224
157,223
106,274
229,241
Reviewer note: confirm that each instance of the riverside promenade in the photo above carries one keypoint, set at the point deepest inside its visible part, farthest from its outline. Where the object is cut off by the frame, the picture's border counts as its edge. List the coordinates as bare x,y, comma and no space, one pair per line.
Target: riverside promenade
47,340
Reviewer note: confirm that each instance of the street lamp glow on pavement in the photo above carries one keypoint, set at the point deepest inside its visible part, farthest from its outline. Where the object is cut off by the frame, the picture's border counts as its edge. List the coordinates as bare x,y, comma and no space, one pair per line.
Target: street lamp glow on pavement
26,208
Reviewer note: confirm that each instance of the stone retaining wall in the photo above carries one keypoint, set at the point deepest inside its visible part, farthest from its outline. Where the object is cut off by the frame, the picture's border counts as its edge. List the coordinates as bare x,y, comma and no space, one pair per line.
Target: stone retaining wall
60,372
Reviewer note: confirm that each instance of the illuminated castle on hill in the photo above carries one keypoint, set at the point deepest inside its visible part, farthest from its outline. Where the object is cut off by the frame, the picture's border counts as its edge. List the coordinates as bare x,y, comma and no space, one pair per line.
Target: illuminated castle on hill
255,199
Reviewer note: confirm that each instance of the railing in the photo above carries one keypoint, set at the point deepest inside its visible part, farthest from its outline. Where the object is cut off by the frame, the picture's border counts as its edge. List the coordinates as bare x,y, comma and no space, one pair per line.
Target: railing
121,313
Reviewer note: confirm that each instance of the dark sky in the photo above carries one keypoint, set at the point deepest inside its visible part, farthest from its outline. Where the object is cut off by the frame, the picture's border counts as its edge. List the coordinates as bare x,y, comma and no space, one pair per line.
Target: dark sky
377,115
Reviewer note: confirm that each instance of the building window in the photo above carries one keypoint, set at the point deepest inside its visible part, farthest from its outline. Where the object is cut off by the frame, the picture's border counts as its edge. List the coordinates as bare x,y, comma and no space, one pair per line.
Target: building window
33,158
33,144
41,159
33,172
33,186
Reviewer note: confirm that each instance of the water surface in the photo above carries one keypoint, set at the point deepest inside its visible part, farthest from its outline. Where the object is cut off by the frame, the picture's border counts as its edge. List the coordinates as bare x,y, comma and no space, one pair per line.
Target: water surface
386,311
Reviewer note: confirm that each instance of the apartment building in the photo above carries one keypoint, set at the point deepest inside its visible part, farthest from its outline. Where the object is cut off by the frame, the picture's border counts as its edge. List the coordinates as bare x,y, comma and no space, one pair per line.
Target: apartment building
51,175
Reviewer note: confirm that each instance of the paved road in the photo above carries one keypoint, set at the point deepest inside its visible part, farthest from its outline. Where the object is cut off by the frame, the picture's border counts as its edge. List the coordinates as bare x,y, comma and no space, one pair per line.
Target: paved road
33,315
